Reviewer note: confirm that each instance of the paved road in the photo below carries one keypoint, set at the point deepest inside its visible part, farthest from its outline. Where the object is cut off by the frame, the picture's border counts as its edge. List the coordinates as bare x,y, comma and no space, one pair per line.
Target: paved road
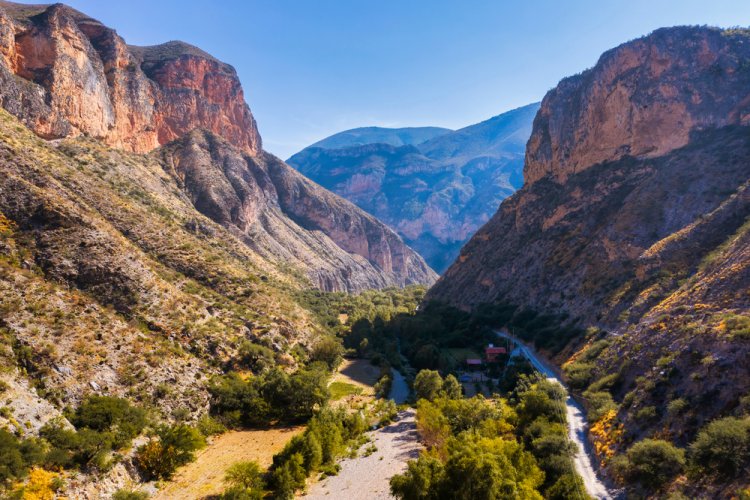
577,425
367,478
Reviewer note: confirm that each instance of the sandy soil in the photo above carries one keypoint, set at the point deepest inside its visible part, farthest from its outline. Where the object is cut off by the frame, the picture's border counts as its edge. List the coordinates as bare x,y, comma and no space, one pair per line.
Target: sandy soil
359,372
205,476
367,477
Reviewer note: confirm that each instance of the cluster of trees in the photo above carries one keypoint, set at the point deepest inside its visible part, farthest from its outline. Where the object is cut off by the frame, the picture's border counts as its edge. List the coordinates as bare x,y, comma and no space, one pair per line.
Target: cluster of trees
270,397
721,450
479,448
102,425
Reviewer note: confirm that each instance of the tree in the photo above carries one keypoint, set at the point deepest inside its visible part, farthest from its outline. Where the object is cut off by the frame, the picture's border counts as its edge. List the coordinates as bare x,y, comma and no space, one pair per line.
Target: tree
452,387
329,351
420,481
176,446
245,481
432,424
723,446
12,464
653,462
110,414
428,384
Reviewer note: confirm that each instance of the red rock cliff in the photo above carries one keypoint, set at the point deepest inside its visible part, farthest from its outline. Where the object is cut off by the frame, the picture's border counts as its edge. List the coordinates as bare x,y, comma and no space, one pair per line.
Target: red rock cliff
65,74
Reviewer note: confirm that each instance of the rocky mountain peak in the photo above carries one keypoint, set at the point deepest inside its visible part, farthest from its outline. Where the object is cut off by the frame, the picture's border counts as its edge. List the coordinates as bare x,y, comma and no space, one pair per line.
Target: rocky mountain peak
65,74
642,99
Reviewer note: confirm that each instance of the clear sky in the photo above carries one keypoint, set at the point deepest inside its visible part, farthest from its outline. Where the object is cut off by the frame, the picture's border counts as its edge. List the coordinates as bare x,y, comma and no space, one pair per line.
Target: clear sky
311,68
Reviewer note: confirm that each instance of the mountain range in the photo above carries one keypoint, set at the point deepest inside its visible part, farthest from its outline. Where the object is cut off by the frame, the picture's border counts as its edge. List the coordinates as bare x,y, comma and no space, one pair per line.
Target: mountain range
433,186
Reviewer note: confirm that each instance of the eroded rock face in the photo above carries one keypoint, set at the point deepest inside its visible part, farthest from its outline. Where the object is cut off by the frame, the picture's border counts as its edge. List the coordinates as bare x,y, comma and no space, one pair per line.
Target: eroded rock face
65,74
642,99
283,216
621,158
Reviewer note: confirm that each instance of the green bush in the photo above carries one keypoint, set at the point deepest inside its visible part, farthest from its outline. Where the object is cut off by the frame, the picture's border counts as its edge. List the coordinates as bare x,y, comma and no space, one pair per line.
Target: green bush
12,462
245,481
109,414
129,495
428,385
599,403
327,350
175,446
579,374
723,446
653,462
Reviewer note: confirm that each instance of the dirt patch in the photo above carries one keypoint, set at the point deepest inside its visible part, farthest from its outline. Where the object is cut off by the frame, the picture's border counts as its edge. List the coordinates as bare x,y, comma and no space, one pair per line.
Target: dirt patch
205,476
360,373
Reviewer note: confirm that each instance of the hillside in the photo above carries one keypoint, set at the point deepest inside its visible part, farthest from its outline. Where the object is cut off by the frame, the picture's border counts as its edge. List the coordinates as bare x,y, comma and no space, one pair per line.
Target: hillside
66,75
633,223
435,194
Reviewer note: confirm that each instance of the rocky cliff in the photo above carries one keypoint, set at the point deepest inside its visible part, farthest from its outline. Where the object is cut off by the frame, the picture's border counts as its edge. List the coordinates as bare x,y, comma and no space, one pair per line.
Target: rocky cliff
633,222
65,74
435,193
283,216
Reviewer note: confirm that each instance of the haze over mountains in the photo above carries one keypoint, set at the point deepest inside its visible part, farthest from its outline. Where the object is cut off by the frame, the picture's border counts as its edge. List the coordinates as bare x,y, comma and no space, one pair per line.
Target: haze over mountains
434,193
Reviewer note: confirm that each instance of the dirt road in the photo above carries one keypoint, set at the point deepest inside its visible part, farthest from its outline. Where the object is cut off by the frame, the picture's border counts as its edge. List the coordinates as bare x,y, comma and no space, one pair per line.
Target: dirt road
366,477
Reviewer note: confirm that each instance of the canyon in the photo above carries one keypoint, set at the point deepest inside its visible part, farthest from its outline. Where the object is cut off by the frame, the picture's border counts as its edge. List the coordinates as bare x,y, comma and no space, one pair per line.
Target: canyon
434,187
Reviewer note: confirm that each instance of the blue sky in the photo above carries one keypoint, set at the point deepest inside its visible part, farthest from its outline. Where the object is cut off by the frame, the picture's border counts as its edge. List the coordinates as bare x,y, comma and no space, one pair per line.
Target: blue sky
311,68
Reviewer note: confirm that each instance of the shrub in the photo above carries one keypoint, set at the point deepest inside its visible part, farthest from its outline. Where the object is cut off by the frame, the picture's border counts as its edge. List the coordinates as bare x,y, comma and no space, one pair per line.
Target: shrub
327,350
245,480
110,414
428,385
176,446
452,388
12,463
677,406
257,358
723,446
579,374
129,495
653,462
600,403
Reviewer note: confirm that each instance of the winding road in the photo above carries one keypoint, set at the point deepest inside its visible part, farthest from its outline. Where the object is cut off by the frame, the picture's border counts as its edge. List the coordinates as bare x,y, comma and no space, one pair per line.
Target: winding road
577,425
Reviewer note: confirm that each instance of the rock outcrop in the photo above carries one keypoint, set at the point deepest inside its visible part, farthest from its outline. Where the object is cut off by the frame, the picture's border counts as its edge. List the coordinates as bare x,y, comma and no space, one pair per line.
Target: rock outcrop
643,99
621,157
65,74
434,193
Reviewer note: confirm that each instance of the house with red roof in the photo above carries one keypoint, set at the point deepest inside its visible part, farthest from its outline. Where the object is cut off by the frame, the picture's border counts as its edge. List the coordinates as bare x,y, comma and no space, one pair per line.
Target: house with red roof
491,353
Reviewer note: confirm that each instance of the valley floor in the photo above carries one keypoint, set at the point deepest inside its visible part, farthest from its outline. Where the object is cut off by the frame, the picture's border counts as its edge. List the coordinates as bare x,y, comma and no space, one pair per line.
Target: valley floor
367,477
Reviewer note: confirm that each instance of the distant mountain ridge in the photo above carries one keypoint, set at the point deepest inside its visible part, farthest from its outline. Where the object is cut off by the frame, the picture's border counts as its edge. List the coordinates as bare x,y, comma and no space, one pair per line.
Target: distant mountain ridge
435,193
381,135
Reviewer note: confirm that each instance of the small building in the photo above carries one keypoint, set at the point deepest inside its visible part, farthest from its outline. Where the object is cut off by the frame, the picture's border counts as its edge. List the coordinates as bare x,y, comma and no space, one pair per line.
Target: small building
473,363
491,353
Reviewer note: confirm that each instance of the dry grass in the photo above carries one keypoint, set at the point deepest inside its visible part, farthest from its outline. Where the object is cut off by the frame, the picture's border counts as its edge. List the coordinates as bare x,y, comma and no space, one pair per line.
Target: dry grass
205,476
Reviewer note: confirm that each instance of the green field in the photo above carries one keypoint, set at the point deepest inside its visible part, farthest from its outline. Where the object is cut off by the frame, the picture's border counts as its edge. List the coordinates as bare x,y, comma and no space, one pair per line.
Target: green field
343,389
462,354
